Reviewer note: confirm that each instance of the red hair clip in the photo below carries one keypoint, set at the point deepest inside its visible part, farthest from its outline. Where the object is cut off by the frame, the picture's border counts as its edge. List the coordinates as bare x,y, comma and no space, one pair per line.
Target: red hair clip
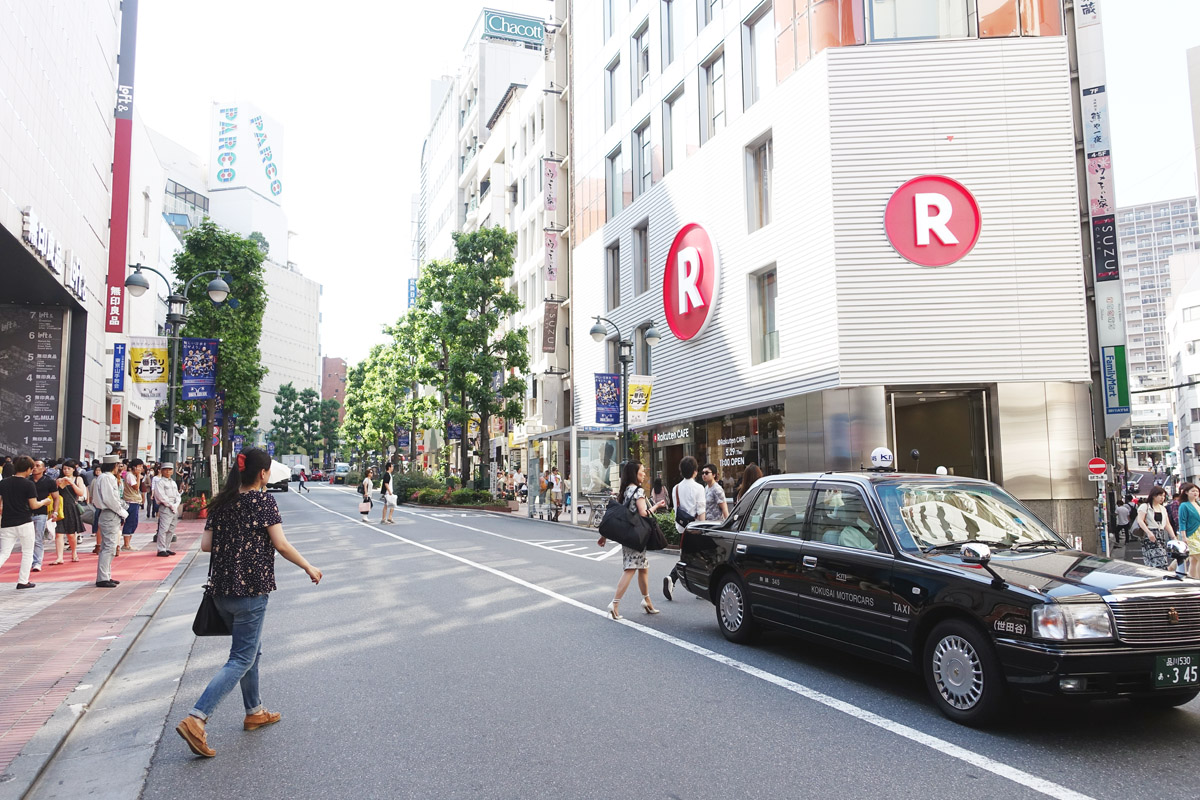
241,462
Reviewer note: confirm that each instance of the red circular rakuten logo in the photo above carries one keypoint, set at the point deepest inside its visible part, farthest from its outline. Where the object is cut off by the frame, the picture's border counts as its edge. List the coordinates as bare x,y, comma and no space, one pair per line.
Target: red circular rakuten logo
932,221
691,281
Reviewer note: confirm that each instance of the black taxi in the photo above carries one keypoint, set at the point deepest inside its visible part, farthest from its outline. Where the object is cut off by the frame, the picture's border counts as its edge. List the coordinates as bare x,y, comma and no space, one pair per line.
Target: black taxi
951,577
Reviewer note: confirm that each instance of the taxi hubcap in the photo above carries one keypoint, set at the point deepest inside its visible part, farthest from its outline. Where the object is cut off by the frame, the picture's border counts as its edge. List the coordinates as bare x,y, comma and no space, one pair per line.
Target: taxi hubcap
957,672
731,606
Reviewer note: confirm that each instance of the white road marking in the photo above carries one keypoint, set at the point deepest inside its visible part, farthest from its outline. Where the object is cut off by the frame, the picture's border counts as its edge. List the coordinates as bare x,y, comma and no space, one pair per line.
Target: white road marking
1029,780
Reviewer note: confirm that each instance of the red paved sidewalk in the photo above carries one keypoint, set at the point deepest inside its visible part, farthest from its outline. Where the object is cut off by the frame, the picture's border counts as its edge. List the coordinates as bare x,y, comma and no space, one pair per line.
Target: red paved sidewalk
44,657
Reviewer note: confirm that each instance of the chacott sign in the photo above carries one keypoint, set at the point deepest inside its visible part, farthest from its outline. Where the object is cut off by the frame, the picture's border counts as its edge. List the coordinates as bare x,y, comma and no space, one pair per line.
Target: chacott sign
510,26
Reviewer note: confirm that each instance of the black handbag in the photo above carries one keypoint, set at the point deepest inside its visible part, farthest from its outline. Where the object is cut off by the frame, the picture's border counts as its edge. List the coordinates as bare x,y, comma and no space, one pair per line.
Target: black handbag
208,621
625,526
656,540
682,518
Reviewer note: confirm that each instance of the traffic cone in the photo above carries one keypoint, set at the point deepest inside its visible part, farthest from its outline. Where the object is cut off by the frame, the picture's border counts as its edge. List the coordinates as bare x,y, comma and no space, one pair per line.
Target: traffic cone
203,507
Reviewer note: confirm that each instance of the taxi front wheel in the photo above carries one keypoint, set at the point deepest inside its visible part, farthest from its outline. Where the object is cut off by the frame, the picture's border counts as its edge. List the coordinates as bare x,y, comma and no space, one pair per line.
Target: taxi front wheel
963,674
733,611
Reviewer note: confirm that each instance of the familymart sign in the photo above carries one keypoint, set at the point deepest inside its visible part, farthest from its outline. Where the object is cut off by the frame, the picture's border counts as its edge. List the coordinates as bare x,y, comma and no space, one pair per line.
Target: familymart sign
512,27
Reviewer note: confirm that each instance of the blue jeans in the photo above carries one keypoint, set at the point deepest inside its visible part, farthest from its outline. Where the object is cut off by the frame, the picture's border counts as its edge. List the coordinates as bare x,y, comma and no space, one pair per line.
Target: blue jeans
245,616
39,539
131,522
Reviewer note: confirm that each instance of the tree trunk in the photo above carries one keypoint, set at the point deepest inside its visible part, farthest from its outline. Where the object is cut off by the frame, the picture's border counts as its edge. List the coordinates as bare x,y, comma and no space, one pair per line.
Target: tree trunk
210,421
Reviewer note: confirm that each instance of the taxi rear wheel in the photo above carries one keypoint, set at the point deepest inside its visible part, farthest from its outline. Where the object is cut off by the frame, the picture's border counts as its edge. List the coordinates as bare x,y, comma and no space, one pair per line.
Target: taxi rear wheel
963,674
733,611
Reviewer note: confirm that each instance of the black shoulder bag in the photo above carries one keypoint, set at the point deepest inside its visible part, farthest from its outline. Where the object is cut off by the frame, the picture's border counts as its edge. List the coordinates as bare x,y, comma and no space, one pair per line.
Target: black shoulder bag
682,518
208,621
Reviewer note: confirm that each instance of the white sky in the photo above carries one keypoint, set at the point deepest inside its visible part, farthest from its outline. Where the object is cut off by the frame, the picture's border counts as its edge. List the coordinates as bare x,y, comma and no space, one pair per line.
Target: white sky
349,81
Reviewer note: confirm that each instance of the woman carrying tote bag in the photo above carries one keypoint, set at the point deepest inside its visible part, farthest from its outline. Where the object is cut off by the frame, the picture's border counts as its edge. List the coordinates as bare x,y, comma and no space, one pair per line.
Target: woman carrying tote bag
365,506
1156,529
633,475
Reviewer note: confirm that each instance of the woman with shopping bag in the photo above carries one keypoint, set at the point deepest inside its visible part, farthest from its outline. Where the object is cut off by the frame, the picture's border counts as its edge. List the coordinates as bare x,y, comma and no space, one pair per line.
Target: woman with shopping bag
633,476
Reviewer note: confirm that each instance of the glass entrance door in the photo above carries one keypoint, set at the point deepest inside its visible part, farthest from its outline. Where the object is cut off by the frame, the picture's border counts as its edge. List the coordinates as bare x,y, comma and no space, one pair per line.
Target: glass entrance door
947,427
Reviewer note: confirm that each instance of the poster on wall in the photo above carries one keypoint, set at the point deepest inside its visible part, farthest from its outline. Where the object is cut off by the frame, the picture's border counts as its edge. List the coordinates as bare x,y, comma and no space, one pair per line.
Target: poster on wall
199,357
640,389
608,398
148,365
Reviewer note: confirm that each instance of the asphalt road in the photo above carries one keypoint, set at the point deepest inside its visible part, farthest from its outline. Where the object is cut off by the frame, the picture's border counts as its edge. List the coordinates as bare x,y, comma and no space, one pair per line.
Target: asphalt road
468,655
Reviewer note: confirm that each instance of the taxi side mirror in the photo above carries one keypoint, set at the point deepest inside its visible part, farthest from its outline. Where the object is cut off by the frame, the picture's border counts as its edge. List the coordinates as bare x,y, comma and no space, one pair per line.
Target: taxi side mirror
975,553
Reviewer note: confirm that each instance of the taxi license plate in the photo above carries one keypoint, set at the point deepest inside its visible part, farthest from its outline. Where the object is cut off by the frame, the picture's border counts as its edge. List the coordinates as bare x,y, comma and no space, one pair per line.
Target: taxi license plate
1176,671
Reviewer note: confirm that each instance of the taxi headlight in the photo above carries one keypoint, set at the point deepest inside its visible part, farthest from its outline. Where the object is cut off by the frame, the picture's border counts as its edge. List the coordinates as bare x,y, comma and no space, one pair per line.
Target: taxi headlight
1074,621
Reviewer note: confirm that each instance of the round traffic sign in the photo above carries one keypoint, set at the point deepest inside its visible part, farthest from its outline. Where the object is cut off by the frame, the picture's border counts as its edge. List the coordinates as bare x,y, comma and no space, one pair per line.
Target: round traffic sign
1097,466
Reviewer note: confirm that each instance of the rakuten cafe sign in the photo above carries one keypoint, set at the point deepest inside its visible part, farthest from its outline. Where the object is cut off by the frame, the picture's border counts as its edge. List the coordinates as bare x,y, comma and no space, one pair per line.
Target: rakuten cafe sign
691,282
932,221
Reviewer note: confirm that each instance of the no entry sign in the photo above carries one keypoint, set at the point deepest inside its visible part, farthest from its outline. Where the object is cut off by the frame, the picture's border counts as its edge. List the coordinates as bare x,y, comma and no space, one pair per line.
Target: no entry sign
1097,466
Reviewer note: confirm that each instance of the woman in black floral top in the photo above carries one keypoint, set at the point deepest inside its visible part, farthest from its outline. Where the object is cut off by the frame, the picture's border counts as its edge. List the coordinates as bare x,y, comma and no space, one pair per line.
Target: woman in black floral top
243,533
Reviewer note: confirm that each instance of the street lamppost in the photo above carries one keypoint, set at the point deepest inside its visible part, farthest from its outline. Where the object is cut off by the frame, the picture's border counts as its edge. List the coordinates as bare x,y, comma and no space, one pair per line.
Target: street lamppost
599,333
218,291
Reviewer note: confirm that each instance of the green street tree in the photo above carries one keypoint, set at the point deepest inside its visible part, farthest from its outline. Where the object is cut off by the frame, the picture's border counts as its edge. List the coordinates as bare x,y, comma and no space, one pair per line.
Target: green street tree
237,324
328,425
354,422
463,305
309,403
287,424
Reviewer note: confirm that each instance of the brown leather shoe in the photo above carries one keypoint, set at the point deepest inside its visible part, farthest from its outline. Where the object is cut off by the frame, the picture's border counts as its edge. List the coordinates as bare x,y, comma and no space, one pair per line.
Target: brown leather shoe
264,717
192,731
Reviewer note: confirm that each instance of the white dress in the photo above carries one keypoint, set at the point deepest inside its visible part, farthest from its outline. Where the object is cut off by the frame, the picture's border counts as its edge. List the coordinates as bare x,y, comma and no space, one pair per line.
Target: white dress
630,558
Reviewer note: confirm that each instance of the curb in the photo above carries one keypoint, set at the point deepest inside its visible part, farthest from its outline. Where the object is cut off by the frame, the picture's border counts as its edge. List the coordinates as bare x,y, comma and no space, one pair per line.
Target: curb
28,767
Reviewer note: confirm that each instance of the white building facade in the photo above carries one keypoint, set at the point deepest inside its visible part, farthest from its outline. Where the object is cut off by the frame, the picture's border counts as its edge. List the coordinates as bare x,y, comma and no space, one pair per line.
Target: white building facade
1150,235
56,157
785,134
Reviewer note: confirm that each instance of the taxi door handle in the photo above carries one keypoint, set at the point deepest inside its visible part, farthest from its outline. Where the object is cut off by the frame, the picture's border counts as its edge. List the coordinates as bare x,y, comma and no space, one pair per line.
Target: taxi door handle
810,561
741,548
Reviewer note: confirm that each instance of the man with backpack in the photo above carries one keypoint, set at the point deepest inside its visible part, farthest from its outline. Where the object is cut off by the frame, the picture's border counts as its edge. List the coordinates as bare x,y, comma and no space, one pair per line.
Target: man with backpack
688,497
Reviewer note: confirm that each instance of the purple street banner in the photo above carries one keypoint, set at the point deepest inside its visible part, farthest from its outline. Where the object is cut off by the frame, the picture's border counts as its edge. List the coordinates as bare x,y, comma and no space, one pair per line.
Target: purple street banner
199,359
608,398
454,430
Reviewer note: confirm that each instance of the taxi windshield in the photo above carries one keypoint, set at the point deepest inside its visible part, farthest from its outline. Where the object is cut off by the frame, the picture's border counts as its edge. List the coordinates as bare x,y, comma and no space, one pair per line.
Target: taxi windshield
935,514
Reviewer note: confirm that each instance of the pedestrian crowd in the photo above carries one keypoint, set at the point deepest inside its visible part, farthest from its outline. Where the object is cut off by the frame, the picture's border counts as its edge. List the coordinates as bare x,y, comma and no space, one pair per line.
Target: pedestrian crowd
56,501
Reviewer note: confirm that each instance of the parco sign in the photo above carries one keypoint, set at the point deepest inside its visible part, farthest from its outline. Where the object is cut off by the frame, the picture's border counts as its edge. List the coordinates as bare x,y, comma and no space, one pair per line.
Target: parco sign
691,282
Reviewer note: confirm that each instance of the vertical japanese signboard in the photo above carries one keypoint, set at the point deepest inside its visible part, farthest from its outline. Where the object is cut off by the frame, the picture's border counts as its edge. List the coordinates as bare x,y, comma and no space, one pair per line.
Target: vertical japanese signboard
31,359
551,256
412,292
1102,209
550,328
550,183
118,373
114,297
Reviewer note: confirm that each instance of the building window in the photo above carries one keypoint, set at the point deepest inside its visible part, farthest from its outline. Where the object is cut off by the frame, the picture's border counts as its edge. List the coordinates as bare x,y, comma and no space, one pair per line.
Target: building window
607,11
641,351
674,130
758,182
641,59
893,20
705,9
641,259
1020,18
612,83
758,55
613,183
712,97
642,176
666,18
764,337
612,276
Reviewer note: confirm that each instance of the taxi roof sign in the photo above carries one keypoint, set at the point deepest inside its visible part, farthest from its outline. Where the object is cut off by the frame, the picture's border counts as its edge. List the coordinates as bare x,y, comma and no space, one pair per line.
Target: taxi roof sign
882,458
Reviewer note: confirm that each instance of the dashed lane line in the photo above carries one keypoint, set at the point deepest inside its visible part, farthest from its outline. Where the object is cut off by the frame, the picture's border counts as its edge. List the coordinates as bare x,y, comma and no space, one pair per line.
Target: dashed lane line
1018,776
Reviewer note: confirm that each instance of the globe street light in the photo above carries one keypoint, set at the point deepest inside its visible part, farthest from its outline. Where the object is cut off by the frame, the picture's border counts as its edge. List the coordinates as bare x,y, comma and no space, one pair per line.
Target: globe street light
599,332
218,292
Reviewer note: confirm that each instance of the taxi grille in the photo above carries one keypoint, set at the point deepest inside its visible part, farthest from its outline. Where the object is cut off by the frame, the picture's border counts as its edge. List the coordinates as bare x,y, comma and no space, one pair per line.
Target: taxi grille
1156,620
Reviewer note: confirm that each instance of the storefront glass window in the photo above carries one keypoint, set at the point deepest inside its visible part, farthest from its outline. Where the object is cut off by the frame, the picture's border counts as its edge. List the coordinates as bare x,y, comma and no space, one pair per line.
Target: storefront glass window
893,20
730,443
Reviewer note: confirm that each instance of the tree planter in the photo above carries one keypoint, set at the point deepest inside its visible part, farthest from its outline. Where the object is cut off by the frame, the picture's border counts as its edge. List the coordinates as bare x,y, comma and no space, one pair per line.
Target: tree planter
189,515
514,505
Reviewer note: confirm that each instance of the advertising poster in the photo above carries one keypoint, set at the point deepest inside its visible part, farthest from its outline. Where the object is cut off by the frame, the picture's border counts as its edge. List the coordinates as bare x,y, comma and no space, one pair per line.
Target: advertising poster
551,256
608,398
640,389
238,441
550,183
148,365
199,358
